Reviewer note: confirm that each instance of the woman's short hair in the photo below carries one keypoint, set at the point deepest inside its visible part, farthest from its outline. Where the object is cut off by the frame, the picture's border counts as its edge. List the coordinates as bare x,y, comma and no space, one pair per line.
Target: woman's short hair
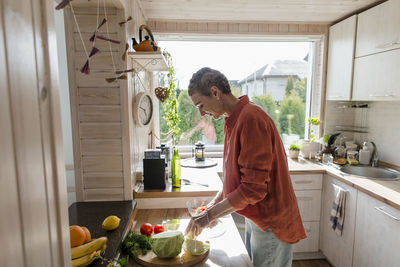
205,78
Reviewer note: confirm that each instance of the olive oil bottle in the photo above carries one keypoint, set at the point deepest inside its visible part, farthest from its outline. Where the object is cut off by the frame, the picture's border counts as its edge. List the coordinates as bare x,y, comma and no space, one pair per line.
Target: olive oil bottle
176,169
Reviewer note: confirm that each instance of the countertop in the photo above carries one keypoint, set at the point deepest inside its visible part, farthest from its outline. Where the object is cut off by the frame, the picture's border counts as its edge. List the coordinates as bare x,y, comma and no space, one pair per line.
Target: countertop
92,214
226,249
385,191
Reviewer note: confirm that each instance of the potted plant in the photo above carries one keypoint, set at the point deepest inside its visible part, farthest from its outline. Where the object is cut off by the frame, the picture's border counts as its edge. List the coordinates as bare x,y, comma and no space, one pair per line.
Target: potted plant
309,148
294,150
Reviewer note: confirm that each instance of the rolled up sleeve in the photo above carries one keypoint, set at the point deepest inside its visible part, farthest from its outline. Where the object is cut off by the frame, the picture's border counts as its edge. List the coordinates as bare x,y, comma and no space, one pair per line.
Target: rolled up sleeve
254,161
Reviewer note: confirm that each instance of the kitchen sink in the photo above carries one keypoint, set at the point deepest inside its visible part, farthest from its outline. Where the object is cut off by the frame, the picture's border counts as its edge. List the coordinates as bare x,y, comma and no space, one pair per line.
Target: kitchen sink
372,172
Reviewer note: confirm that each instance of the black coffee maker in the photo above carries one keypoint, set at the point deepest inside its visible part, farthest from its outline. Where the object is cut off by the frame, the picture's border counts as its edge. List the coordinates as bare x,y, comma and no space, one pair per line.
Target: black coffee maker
153,169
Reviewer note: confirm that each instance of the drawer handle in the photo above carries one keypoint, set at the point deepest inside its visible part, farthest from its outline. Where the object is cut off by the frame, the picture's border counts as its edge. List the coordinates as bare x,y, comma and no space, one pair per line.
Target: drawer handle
387,95
335,96
305,198
303,181
381,209
383,46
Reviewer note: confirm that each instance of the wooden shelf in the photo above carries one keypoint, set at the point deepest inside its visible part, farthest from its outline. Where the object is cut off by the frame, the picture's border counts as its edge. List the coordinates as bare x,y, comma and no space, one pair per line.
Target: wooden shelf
150,61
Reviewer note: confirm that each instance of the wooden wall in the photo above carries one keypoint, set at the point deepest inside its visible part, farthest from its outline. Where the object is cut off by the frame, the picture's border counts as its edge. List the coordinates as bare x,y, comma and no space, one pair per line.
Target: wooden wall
33,195
262,28
101,113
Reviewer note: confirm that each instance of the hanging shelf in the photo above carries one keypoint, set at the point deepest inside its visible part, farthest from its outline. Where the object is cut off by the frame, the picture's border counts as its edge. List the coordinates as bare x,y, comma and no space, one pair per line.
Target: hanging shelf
149,61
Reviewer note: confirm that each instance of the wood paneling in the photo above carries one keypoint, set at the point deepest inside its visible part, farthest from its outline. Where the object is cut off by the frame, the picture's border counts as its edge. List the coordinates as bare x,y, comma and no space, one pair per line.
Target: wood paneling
10,225
100,62
33,187
104,194
101,130
102,163
262,28
92,113
103,180
97,78
101,147
255,10
88,24
100,44
97,96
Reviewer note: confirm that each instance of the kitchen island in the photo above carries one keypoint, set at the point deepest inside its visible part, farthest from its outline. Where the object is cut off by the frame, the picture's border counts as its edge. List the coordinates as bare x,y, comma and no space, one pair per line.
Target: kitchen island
226,247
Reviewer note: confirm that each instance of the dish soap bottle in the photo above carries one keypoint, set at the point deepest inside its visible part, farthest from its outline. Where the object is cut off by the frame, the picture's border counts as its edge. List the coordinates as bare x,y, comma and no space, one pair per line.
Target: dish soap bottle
176,169
364,154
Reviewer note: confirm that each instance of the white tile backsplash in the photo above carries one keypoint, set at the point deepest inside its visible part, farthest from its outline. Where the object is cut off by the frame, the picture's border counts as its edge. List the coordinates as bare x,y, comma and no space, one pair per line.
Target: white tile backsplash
382,120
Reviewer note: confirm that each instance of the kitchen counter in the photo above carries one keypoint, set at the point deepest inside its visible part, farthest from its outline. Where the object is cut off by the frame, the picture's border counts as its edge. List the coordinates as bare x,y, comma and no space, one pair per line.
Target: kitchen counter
385,191
225,250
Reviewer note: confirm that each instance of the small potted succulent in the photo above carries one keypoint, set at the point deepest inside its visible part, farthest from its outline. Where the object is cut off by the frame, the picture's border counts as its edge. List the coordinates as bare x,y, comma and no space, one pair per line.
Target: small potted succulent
294,150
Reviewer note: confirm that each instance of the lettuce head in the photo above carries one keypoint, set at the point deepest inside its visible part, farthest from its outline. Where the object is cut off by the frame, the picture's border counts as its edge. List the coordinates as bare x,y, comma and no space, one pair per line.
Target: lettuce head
167,244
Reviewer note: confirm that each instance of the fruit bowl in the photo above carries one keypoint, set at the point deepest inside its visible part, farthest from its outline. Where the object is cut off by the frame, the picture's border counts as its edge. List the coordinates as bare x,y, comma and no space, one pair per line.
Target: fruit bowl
196,206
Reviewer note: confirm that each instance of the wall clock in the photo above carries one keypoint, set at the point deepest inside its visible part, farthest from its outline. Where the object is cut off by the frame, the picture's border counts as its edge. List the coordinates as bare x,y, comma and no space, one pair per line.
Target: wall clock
143,109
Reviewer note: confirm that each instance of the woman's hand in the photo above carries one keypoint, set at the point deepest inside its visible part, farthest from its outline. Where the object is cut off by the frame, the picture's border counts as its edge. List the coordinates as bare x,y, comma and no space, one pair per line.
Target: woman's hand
197,224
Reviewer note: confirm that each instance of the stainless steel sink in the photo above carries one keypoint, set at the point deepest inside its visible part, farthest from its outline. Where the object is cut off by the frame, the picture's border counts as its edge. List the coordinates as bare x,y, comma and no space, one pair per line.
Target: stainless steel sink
371,172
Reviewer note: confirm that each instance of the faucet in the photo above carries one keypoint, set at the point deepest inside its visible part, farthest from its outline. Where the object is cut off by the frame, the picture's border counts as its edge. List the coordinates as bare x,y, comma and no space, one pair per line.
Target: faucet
374,156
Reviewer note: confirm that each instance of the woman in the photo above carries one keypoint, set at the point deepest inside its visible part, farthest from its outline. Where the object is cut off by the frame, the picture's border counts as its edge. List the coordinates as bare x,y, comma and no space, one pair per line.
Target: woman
255,172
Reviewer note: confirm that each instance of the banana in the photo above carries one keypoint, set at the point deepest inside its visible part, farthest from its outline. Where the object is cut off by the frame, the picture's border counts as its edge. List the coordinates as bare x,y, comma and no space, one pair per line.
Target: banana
88,248
88,258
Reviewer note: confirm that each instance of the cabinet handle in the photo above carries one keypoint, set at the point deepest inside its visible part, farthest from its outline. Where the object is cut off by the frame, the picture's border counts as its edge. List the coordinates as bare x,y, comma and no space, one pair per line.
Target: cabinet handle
383,46
335,96
304,198
387,95
303,181
381,209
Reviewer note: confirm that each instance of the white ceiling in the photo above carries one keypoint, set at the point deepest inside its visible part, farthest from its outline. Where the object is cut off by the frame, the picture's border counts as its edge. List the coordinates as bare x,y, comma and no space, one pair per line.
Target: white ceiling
326,11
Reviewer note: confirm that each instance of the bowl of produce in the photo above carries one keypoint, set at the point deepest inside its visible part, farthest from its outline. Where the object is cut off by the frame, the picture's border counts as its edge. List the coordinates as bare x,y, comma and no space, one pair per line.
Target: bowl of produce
197,206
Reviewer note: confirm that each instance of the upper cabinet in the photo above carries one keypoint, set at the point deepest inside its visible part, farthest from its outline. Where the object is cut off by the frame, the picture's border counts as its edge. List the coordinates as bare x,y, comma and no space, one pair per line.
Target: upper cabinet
340,59
378,29
376,66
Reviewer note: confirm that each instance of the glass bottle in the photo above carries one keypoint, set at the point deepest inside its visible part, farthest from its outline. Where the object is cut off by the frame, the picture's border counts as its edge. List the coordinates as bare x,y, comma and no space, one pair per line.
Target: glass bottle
176,169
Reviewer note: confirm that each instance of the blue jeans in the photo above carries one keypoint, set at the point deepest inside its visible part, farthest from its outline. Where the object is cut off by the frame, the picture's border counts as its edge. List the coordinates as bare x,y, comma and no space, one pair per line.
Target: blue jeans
265,249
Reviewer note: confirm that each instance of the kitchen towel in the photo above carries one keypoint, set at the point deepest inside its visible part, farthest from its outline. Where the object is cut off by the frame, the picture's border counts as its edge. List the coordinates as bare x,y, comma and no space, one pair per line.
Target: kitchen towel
337,212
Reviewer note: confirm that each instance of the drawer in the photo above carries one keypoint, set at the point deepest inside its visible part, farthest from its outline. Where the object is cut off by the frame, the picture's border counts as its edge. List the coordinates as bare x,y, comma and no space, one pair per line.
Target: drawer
311,243
306,181
309,204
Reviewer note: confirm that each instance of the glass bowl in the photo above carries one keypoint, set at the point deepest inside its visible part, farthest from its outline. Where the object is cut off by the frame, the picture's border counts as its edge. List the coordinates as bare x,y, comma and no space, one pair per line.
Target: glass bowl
195,203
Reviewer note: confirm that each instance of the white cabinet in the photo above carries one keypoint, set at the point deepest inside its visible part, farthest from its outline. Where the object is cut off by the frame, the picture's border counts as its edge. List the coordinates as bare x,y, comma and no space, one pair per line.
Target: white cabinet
340,59
337,249
376,77
377,234
377,67
378,29
308,193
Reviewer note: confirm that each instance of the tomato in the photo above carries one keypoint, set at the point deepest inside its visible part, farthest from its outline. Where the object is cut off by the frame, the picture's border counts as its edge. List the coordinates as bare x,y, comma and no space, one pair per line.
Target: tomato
146,229
199,210
158,229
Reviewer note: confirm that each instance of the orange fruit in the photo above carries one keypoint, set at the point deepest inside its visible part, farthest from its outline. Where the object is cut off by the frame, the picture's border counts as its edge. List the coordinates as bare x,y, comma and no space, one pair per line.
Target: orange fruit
77,235
87,233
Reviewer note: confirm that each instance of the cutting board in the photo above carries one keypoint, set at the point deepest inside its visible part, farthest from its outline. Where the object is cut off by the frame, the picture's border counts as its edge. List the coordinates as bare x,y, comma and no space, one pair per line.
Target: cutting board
182,260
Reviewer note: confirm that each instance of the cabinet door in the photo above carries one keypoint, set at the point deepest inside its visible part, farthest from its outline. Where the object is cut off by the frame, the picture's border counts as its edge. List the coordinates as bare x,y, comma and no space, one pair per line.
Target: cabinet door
309,202
340,59
376,77
337,249
378,29
377,235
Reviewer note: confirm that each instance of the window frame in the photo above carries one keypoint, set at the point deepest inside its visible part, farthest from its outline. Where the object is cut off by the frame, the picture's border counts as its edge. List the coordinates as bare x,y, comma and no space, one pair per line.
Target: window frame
316,82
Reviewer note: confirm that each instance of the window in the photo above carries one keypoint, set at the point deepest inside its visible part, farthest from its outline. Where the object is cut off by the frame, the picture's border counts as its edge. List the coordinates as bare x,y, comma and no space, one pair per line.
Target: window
275,75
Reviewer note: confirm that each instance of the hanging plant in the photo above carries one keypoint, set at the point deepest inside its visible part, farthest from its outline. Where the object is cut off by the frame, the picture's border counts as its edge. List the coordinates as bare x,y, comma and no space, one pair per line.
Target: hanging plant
171,103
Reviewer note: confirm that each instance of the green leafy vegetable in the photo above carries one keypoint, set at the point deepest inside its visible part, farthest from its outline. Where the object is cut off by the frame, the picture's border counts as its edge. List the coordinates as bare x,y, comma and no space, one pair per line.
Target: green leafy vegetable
134,244
195,247
167,244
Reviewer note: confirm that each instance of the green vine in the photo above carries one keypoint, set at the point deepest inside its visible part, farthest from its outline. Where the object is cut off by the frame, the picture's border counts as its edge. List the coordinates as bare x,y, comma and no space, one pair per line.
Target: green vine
171,103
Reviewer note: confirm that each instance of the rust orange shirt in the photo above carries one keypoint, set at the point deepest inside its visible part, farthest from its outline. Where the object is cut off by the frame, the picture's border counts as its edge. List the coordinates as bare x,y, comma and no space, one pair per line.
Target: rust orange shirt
256,174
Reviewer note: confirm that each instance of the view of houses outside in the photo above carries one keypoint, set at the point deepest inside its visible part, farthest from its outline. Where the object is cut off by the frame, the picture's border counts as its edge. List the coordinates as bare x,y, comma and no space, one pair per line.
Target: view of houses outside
278,86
